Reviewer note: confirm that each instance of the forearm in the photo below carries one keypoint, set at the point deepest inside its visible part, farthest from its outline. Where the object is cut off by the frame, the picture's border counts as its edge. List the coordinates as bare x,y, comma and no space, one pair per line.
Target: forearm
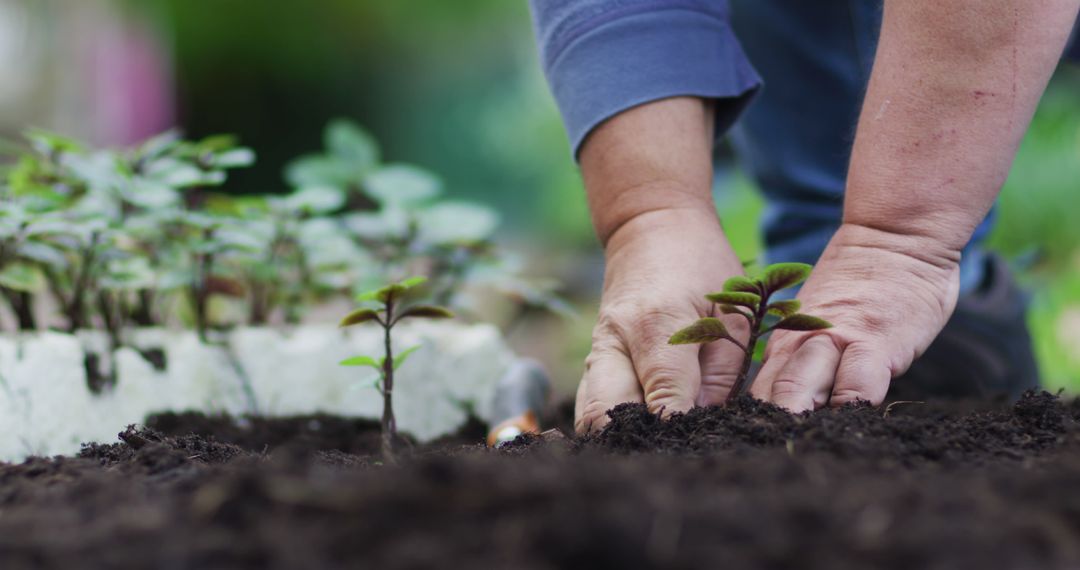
650,161
953,89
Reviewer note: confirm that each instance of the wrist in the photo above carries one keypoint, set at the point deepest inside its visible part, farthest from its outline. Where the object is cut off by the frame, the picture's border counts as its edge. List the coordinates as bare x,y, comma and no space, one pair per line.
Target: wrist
644,208
671,237
927,249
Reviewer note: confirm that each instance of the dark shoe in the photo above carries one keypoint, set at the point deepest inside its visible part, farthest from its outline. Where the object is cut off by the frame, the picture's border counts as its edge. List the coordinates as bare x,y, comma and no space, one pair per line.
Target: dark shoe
984,351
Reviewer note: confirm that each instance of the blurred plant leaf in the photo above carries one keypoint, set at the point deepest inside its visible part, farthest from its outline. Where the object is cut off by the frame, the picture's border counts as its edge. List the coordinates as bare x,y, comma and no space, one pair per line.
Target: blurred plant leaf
318,170
404,355
359,316
456,222
317,199
427,312
351,144
401,185
24,277
361,361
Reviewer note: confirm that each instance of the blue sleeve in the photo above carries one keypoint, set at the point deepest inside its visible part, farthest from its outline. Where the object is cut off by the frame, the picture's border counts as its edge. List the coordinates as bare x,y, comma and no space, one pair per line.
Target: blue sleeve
602,57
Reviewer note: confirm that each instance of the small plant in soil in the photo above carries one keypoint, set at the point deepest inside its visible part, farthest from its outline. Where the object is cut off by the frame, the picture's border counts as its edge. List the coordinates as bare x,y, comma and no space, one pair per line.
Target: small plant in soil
391,307
750,298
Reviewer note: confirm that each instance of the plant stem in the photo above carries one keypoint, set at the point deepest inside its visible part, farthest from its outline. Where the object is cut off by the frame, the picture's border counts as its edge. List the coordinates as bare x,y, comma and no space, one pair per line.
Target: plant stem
22,304
110,318
200,289
76,310
143,315
389,424
742,382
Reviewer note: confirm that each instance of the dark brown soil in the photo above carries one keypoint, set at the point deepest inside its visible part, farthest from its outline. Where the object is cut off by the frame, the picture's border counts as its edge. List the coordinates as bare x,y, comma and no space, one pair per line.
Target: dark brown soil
748,486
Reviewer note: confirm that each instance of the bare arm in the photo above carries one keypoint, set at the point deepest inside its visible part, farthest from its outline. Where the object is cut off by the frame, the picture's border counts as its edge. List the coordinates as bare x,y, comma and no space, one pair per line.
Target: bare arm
953,89
648,174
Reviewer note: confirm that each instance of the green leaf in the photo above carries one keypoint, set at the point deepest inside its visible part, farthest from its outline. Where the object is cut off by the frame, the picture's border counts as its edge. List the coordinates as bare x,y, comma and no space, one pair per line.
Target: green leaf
359,316
801,322
784,308
361,361
23,277
732,310
427,312
704,330
215,143
317,199
318,170
348,142
740,284
400,358
783,275
742,299
401,185
234,158
412,282
384,294
456,222
47,143
42,252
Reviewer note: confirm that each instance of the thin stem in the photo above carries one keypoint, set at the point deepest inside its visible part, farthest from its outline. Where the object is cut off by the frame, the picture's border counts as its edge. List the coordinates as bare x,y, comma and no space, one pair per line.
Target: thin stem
736,342
742,382
76,311
389,423
22,304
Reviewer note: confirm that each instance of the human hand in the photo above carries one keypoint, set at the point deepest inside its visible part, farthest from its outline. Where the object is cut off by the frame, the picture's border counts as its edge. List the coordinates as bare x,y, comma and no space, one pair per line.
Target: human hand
659,267
887,297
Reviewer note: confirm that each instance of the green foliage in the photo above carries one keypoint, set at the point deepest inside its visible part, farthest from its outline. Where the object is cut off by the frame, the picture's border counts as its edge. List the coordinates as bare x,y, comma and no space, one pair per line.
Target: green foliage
141,229
392,306
750,299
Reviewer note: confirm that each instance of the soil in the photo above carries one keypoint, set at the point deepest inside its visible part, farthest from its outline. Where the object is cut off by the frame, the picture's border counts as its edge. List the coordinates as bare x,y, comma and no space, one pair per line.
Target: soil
977,485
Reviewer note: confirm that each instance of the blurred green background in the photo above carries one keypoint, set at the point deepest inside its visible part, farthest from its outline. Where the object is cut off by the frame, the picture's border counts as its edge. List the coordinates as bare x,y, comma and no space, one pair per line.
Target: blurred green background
454,87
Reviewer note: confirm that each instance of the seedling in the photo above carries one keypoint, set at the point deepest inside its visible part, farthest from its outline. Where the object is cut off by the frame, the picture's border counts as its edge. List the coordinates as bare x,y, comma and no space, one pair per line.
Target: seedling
390,311
750,299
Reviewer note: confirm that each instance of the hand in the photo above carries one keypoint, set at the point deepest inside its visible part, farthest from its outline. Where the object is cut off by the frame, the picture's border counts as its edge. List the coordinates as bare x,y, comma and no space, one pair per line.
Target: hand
660,265
887,296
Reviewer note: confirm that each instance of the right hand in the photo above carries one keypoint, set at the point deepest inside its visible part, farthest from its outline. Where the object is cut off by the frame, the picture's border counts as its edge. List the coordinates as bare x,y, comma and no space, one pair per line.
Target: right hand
660,265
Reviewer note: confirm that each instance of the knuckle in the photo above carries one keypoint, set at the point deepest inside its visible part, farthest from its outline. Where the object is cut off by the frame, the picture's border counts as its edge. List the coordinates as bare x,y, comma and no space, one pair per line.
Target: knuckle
659,372
666,398
654,325
591,416
788,385
848,395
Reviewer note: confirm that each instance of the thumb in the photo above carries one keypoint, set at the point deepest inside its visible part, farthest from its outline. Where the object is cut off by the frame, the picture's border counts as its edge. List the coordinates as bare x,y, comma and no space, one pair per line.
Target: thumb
670,375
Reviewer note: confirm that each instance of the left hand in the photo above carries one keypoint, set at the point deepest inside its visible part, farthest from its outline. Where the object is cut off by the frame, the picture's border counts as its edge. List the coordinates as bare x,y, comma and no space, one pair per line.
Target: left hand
887,296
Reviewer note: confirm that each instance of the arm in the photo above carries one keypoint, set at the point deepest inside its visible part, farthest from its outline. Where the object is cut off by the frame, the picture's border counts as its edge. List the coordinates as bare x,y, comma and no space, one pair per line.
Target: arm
953,89
648,174
643,86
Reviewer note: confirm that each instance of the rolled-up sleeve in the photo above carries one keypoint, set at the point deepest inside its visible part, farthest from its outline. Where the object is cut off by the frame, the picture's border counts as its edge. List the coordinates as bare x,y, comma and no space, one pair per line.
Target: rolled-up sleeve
602,57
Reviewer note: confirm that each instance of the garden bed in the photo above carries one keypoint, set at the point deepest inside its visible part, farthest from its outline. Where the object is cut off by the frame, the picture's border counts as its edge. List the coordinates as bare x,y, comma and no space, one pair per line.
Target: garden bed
918,486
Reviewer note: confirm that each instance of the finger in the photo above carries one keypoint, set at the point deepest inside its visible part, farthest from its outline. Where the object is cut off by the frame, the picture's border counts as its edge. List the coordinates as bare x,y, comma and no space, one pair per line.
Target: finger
863,374
720,363
609,380
805,381
670,375
779,349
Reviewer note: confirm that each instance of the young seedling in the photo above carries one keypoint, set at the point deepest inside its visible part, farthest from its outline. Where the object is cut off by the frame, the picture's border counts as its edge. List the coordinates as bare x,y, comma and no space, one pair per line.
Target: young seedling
391,309
750,299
